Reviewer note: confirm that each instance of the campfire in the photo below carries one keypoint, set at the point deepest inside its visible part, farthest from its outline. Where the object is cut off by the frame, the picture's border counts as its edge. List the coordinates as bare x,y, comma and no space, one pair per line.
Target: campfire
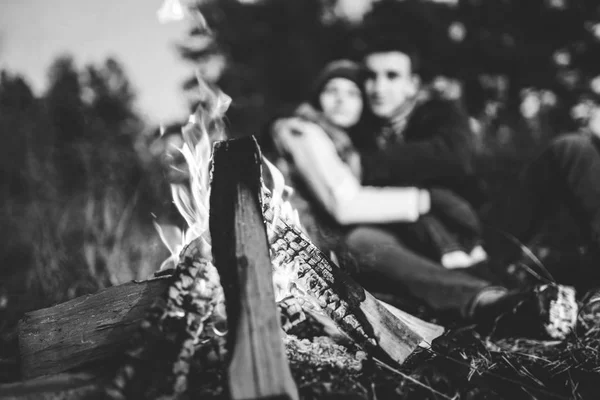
246,306
242,266
240,278
260,258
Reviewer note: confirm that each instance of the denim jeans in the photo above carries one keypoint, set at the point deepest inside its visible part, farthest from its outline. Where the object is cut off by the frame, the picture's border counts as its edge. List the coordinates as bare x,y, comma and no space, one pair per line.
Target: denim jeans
452,223
381,249
568,170
566,173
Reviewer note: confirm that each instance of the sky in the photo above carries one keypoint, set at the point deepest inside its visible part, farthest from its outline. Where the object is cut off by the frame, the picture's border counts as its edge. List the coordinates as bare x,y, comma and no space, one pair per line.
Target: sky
34,32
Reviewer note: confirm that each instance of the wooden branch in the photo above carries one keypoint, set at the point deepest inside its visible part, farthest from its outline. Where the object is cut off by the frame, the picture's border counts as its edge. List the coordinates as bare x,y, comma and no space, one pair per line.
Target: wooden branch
347,303
427,330
158,358
258,367
89,328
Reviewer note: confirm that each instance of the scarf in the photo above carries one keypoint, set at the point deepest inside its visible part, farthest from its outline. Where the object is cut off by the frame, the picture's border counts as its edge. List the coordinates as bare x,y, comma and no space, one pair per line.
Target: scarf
340,138
392,129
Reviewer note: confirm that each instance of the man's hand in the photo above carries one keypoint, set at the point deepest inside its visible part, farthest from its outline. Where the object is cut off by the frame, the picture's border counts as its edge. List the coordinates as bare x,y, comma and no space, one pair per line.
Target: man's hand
424,202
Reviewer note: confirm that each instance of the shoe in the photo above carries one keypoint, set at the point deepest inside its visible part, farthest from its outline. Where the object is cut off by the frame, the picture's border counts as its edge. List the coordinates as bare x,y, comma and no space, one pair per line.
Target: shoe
544,312
456,259
589,315
478,255
460,259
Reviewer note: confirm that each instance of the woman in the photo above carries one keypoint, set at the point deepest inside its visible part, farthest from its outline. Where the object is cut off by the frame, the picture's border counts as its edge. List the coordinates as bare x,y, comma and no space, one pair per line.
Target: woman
316,143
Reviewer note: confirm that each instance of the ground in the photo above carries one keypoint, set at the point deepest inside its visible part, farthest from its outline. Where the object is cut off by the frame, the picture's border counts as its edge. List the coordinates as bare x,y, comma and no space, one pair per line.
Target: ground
461,364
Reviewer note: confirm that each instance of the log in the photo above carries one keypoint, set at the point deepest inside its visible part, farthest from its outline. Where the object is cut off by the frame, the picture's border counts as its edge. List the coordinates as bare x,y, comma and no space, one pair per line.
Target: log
157,361
89,328
427,330
64,386
257,364
356,312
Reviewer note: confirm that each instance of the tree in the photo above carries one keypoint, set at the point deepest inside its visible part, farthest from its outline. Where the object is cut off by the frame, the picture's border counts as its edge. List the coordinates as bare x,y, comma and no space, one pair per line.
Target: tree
66,111
18,117
267,52
64,101
110,96
271,50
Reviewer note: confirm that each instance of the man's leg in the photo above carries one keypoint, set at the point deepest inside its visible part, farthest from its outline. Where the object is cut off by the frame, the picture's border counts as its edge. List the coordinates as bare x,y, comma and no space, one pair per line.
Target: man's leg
567,172
456,212
443,290
550,309
578,163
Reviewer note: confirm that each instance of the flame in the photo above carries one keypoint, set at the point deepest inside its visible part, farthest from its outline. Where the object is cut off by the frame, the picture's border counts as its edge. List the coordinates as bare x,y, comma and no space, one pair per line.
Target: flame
176,11
285,277
170,11
204,127
173,238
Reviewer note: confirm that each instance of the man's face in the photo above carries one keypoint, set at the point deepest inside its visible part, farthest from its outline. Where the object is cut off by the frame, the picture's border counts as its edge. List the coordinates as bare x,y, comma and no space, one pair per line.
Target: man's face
389,83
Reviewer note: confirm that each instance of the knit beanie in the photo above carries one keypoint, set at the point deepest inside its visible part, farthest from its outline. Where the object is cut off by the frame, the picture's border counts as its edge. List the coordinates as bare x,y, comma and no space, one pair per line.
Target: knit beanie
336,69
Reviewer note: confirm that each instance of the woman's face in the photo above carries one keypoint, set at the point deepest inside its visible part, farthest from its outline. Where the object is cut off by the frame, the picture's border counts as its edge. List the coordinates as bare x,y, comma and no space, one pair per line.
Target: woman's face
341,102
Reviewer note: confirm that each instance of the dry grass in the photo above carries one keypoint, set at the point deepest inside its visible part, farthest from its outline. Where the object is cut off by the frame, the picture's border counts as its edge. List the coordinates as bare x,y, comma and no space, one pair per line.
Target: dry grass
58,250
461,365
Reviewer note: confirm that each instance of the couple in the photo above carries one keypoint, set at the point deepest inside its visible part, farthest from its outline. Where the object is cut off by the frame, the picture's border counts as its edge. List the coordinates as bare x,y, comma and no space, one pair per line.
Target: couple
318,139
398,206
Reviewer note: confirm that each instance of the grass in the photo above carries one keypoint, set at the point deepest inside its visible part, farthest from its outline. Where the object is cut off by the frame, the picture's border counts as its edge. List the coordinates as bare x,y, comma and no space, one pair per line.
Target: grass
462,364
459,365
58,250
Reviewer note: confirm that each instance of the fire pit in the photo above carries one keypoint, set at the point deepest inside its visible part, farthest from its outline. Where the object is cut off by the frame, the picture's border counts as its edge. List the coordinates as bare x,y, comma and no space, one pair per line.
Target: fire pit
242,266
260,255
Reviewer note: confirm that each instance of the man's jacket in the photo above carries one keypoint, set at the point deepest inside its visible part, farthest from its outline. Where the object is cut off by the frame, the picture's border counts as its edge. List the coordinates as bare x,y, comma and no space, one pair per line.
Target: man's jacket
434,148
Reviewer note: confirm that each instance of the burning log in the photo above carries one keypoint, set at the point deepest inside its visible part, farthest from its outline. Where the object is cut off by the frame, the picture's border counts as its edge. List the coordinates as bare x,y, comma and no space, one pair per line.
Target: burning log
166,340
351,307
367,321
258,367
158,359
319,280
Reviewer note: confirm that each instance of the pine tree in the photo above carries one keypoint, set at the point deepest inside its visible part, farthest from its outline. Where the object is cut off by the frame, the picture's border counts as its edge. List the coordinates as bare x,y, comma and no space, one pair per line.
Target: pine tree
18,113
110,97
267,53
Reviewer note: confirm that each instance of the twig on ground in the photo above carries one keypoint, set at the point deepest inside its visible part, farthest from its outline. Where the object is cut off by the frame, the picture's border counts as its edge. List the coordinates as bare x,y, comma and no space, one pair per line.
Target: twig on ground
413,380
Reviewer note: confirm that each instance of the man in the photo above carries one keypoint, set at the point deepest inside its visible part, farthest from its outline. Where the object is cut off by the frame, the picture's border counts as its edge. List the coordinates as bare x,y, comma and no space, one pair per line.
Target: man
567,172
436,148
419,143
422,143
